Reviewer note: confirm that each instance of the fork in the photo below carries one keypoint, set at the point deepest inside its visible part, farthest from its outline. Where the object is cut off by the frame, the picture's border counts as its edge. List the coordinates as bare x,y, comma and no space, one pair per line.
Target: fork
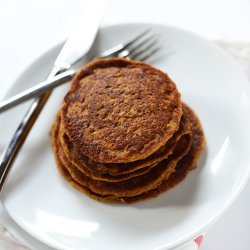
140,48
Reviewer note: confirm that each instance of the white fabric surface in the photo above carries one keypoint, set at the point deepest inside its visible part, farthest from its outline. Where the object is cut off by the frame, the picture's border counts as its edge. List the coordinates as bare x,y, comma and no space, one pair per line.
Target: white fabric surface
8,242
240,52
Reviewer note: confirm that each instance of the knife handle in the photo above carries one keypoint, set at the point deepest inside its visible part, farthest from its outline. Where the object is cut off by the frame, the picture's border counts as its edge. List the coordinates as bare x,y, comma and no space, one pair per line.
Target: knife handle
17,140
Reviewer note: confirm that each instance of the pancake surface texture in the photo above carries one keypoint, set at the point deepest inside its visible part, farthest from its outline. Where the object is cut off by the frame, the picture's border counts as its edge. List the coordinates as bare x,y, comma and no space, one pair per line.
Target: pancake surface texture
122,134
113,108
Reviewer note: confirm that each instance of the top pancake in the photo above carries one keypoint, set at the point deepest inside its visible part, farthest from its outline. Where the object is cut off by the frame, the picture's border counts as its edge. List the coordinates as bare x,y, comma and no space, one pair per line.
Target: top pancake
119,110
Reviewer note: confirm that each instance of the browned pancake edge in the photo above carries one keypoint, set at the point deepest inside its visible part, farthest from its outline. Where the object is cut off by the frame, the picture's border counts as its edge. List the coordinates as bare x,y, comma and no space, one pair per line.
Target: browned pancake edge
133,186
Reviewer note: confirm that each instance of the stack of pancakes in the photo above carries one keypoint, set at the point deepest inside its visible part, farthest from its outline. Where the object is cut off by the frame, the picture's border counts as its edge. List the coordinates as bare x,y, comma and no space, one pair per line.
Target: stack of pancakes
123,134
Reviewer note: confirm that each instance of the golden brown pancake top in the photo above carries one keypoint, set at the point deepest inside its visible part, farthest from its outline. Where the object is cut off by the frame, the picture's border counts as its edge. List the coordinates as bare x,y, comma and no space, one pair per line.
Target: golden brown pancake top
119,110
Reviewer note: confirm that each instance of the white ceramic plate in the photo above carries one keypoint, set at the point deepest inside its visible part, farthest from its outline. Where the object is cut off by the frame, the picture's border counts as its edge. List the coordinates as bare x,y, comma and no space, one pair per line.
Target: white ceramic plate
42,203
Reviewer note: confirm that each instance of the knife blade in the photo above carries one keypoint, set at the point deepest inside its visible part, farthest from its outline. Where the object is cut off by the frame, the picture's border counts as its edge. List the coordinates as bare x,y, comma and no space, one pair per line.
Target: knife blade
80,41
77,45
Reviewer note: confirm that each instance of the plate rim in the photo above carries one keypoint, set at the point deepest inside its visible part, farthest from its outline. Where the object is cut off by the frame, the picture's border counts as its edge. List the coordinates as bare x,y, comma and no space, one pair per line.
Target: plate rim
209,222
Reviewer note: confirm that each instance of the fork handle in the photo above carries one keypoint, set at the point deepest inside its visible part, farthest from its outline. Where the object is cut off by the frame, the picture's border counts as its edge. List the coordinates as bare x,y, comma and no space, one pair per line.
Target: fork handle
10,153
36,90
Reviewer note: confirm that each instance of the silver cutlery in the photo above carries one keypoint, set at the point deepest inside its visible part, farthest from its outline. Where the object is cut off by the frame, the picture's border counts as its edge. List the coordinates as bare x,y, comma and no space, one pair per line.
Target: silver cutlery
140,48
76,47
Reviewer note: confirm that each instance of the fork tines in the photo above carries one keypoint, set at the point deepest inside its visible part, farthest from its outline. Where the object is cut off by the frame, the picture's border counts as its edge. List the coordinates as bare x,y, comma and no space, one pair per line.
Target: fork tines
141,47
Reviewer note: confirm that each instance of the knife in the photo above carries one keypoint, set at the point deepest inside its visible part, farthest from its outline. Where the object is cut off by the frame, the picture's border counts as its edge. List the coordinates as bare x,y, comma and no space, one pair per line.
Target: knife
75,48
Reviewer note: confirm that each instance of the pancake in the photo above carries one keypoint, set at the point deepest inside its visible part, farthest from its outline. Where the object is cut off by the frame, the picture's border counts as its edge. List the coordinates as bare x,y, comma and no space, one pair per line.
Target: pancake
113,108
108,170
186,164
135,185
